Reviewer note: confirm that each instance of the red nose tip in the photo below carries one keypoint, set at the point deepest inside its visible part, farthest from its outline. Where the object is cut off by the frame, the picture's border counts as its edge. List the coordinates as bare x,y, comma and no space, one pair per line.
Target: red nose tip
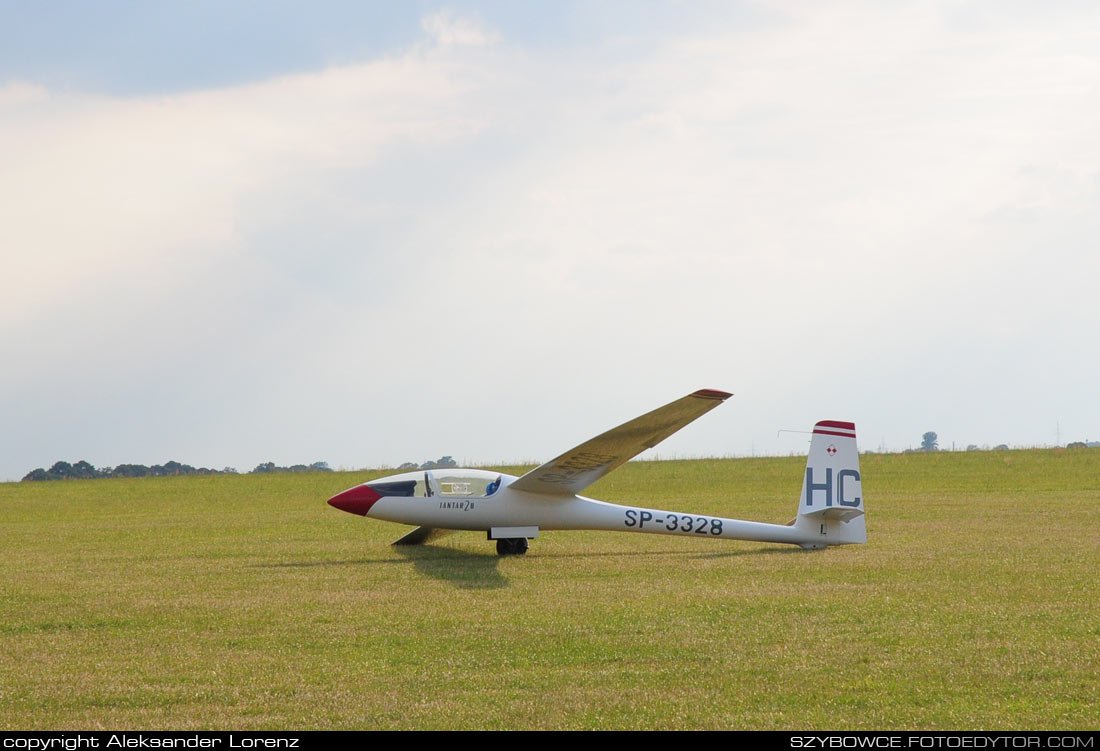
357,500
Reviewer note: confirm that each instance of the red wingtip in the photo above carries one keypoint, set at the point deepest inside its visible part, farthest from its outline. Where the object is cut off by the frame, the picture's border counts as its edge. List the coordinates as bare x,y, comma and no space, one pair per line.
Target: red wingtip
357,500
712,394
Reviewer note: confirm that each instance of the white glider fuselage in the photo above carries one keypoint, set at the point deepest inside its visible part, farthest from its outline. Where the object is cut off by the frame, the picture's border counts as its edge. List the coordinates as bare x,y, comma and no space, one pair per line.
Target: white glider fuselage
508,508
514,509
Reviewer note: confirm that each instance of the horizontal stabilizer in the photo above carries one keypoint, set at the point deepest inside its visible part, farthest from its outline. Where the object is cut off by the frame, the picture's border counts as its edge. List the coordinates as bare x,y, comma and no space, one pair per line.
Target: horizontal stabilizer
840,514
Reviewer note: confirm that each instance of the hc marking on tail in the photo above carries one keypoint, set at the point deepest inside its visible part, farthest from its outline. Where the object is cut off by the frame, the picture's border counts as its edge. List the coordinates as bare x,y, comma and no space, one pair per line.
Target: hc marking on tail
827,486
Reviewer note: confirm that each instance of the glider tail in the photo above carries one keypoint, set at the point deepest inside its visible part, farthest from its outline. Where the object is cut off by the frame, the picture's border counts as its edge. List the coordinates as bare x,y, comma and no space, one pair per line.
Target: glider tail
830,508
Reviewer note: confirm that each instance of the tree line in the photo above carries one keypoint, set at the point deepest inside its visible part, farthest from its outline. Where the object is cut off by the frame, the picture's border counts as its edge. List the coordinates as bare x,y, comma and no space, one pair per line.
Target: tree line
443,462
82,470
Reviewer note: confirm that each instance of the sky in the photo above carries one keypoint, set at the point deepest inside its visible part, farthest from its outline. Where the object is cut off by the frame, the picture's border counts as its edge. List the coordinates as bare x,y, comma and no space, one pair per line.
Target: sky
372,233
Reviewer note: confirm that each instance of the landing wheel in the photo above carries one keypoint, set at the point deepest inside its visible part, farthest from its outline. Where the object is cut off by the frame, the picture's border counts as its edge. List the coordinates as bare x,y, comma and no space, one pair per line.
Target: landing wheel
512,546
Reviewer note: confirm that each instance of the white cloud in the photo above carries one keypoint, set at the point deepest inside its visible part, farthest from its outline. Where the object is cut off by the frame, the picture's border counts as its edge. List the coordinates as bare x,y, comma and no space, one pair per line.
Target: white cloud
98,187
448,30
20,93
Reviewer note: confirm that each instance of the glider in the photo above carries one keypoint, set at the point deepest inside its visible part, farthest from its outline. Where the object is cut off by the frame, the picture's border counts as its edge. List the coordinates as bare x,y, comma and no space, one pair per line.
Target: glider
513,510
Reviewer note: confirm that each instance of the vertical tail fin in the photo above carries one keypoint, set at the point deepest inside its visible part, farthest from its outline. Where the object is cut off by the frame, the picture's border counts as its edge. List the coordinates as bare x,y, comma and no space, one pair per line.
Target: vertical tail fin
831,504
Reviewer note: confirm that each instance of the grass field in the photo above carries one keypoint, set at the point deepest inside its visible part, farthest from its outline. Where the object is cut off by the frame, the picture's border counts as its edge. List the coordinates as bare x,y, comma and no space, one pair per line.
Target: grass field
247,602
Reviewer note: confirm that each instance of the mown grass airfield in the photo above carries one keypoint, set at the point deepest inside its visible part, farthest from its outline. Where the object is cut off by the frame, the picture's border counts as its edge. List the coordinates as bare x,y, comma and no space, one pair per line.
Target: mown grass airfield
247,602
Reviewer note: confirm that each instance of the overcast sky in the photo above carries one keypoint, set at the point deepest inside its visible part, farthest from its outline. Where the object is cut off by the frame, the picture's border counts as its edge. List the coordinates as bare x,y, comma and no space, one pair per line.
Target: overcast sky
374,233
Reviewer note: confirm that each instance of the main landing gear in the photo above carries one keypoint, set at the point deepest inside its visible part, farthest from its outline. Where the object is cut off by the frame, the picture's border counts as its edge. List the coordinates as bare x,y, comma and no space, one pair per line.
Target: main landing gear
512,546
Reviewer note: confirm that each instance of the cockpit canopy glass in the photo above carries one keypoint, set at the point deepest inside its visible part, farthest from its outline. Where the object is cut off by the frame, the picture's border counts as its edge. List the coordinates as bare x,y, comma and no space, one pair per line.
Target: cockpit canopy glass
451,483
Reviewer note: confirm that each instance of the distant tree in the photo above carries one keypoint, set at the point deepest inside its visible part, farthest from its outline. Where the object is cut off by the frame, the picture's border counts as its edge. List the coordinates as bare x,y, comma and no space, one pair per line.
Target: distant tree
82,470
174,469
407,466
442,463
61,470
1001,447
130,470
269,467
972,447
928,442
1077,445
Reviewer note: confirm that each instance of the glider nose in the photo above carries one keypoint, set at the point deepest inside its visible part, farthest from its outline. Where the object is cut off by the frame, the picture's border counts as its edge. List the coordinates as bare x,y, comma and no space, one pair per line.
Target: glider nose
357,500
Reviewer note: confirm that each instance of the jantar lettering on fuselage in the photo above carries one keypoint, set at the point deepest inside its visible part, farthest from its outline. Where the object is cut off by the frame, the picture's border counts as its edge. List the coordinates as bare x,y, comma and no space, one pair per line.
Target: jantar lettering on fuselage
459,505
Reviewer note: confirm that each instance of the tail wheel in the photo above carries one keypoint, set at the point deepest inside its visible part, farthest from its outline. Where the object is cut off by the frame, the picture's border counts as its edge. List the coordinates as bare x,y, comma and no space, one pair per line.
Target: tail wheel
512,546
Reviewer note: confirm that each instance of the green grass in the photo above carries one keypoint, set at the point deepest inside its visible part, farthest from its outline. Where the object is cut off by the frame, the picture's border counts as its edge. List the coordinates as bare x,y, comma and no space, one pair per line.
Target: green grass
247,602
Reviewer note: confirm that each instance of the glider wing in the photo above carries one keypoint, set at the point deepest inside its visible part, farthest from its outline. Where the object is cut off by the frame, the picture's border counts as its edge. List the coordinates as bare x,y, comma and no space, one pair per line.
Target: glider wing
578,468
